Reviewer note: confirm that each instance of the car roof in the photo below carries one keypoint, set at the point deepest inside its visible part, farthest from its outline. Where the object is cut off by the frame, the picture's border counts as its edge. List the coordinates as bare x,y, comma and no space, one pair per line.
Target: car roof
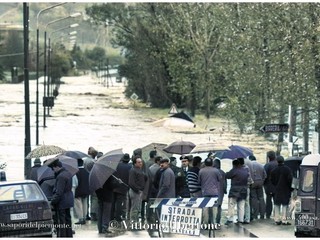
311,160
16,182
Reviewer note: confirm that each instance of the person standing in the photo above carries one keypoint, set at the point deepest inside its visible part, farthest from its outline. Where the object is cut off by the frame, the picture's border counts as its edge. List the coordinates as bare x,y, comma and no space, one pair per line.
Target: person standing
268,186
246,163
281,177
151,161
222,190
62,199
182,188
105,198
82,193
257,202
34,170
137,183
193,178
146,191
238,191
153,169
121,192
209,180
167,181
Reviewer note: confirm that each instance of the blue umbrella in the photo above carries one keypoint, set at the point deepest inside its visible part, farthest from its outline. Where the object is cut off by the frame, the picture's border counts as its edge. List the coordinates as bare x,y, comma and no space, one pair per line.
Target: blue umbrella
235,151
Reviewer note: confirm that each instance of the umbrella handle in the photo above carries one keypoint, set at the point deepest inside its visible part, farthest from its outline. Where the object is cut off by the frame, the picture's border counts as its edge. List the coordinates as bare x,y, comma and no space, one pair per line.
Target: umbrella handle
119,180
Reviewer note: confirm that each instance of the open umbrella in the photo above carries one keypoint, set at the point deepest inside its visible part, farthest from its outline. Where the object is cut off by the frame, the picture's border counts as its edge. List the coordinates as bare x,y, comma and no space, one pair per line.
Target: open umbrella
235,151
154,146
103,168
88,161
70,164
180,147
76,154
45,150
209,147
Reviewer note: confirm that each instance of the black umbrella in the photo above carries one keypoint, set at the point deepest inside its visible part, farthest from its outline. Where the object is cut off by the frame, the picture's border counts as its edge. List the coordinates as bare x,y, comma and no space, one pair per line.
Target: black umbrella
70,164
180,147
76,154
103,168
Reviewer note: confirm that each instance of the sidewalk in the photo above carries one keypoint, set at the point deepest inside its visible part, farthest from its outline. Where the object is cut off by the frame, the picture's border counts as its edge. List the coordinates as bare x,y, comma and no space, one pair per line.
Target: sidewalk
258,228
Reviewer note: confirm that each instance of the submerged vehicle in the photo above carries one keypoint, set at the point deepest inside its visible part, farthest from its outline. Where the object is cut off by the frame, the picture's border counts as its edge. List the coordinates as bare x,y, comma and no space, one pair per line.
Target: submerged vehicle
307,207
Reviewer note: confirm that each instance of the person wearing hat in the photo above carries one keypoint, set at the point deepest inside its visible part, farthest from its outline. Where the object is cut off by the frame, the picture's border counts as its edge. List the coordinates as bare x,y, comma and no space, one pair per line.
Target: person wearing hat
62,199
34,170
281,178
120,193
167,180
182,189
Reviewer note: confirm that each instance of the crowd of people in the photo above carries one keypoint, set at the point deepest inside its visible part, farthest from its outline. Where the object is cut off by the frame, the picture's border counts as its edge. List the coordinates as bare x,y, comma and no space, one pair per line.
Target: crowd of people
256,190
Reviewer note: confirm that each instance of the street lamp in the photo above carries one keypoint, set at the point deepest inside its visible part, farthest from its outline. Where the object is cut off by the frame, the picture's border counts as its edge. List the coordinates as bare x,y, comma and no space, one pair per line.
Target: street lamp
49,103
37,68
50,53
44,93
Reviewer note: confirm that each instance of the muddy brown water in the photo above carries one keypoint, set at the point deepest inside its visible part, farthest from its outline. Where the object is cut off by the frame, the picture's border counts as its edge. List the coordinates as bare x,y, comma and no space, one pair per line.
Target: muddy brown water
83,116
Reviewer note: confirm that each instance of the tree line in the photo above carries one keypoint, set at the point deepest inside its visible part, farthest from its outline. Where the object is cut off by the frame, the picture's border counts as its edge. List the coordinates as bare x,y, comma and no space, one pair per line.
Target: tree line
245,61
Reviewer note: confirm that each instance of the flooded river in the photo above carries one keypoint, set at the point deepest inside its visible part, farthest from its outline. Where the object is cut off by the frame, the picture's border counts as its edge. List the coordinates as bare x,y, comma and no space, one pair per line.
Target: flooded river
83,116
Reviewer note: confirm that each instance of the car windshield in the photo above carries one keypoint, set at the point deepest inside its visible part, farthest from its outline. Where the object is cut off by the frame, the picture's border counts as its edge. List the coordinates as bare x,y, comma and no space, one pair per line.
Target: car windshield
20,192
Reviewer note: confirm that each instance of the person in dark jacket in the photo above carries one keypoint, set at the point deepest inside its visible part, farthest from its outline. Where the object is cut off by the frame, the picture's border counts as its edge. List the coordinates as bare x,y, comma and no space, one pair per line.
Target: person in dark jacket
62,199
82,193
34,170
120,193
281,177
105,198
137,183
182,189
238,191
167,181
269,188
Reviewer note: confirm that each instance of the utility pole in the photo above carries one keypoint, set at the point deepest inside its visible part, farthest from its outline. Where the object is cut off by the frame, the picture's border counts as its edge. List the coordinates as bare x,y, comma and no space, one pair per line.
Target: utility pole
27,143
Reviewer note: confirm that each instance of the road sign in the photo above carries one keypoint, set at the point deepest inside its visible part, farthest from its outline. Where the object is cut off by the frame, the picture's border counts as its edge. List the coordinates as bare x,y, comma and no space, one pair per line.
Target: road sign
275,128
181,220
134,97
173,109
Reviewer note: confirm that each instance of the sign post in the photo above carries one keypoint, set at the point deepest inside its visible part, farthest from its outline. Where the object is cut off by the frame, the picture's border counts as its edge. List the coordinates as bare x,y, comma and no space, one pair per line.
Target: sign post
275,128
